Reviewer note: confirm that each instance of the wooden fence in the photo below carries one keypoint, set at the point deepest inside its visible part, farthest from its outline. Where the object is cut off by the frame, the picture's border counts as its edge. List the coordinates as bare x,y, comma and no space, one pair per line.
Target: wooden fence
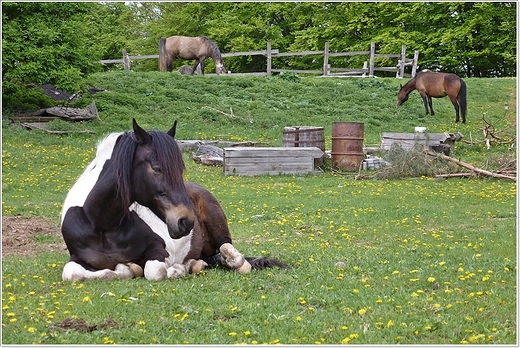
368,70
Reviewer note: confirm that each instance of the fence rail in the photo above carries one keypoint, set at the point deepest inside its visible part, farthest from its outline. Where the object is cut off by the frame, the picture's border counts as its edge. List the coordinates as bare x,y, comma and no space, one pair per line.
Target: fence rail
368,69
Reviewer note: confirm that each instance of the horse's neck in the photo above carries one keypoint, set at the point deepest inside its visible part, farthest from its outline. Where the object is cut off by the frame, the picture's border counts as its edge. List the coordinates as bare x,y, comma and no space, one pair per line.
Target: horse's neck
215,55
410,86
102,206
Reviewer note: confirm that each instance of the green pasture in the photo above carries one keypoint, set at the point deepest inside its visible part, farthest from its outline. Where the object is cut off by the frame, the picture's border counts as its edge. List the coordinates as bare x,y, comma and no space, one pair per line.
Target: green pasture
405,261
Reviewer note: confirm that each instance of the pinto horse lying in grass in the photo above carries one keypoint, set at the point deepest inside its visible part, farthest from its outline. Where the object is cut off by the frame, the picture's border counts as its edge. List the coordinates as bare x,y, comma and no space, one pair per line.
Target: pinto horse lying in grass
131,214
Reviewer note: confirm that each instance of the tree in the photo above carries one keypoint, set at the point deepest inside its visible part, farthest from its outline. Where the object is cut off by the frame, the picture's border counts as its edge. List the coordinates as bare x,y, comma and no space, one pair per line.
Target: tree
46,42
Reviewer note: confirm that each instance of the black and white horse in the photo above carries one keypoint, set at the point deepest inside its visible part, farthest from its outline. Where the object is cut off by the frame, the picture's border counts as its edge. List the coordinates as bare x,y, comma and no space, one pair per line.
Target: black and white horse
131,214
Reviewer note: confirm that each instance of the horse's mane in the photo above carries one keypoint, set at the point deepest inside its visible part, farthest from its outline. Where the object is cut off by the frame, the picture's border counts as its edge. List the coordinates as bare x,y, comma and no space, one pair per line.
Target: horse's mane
165,151
412,81
214,48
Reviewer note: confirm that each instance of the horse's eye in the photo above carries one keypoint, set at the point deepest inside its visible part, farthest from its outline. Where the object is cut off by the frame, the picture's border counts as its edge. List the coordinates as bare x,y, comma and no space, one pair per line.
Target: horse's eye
157,169
161,193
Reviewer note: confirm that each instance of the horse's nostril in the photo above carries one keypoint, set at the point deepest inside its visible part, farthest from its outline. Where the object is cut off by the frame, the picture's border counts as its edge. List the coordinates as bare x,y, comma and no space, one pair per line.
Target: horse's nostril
185,225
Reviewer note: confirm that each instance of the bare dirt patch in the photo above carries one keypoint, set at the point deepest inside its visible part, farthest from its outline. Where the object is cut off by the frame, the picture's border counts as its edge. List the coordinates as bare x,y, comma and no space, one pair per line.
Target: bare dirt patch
82,326
24,236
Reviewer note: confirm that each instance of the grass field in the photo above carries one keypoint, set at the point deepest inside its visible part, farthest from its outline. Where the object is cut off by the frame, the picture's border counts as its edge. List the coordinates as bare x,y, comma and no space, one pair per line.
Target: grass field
405,261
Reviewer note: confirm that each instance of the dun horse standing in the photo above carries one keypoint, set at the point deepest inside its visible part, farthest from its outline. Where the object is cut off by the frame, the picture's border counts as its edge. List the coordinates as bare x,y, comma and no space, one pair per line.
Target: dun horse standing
437,85
185,47
131,214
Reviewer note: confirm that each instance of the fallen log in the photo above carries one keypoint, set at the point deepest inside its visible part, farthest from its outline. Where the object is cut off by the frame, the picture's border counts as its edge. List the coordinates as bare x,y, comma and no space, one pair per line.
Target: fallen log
455,175
470,167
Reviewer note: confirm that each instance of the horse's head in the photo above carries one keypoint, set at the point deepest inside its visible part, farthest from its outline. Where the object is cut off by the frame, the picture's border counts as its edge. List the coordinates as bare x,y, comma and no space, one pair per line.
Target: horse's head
402,96
157,181
220,68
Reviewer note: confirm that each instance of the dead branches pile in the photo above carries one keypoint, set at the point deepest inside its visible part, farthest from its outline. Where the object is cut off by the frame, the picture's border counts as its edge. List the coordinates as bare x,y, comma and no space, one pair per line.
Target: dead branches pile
419,162
493,134
503,173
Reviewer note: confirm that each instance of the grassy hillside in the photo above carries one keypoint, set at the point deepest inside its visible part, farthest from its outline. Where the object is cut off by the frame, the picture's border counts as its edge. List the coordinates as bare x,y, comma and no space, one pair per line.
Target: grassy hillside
239,109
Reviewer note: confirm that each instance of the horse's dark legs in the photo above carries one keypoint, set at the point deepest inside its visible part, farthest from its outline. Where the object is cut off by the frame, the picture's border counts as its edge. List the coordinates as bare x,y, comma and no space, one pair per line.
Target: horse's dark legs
456,105
431,105
426,101
195,67
197,63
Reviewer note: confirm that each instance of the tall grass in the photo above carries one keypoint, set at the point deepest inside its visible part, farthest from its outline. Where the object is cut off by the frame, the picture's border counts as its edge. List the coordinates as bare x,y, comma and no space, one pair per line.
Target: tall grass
412,261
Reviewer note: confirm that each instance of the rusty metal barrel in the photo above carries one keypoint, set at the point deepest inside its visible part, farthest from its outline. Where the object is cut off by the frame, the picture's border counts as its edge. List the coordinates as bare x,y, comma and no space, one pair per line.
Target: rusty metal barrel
304,136
347,145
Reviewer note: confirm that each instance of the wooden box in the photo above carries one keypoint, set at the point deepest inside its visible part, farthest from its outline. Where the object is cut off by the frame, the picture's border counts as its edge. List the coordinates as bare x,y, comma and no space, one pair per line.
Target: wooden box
271,160
439,142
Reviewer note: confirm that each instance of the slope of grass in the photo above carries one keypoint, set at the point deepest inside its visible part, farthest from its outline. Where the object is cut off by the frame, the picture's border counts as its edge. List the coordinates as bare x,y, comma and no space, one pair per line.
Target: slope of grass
414,261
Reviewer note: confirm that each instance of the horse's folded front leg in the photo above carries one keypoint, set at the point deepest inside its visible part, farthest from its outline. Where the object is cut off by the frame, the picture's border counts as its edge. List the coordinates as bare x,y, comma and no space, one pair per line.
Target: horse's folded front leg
234,259
75,272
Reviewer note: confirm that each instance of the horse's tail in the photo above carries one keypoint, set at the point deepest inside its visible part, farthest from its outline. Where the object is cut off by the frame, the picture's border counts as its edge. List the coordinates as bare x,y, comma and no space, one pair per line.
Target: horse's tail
462,100
164,65
256,262
264,262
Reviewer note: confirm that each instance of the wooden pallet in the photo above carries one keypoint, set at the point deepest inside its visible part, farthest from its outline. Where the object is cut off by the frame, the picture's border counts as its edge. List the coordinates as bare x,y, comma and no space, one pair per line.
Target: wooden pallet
271,160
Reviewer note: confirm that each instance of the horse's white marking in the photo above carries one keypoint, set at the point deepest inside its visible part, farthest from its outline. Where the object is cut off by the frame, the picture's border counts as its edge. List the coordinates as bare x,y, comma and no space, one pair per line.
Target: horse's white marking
80,190
154,270
177,248
73,271
232,258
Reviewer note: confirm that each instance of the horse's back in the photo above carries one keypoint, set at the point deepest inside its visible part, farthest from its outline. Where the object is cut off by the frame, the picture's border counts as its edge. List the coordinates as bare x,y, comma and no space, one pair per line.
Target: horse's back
187,47
437,84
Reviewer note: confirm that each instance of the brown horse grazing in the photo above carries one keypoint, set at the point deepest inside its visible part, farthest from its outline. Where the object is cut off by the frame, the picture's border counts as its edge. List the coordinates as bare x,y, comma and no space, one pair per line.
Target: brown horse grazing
437,85
185,47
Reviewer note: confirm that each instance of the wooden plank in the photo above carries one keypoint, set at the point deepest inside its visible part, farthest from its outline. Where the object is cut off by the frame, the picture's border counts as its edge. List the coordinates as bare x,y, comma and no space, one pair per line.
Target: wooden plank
268,168
241,151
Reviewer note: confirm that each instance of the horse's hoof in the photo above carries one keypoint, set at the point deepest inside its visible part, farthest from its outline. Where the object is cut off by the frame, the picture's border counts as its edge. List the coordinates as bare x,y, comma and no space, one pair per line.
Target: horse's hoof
155,270
245,268
231,257
138,271
123,271
195,266
176,270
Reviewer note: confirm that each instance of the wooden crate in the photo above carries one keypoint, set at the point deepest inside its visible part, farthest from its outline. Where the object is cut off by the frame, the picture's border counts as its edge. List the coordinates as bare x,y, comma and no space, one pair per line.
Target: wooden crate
440,142
271,160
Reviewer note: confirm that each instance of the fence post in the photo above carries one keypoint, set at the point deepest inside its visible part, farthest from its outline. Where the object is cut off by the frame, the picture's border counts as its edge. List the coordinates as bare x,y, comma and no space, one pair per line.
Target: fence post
372,57
126,60
269,58
326,66
402,62
414,65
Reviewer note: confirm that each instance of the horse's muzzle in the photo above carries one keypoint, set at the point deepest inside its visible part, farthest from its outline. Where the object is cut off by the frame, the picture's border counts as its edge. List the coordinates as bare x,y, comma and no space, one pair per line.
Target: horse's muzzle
182,227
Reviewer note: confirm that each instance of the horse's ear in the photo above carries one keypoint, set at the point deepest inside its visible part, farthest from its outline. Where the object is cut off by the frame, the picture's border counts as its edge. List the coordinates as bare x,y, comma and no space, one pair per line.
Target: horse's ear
141,136
171,132
400,85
